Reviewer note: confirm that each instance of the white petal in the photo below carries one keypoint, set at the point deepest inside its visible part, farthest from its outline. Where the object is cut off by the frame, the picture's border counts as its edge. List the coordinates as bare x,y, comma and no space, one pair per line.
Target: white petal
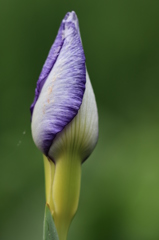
81,134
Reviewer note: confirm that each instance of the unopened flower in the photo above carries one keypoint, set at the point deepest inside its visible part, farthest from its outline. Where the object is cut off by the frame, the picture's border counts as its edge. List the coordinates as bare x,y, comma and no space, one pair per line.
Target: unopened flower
64,121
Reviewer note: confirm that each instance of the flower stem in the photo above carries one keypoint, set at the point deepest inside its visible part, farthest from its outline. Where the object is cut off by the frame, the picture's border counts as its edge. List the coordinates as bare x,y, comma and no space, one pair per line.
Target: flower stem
66,189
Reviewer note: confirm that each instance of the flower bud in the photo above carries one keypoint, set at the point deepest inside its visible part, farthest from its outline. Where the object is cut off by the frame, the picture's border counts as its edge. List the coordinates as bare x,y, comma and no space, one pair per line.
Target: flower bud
64,120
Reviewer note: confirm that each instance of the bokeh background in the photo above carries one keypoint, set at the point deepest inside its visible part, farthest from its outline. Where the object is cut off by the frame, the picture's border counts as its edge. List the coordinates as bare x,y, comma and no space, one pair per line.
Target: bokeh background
120,181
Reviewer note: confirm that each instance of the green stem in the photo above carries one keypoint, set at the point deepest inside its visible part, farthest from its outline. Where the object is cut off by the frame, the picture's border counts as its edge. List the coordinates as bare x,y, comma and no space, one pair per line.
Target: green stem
66,190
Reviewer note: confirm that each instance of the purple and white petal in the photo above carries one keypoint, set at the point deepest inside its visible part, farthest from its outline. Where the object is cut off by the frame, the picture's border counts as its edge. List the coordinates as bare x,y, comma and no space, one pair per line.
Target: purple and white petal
61,85
48,65
53,54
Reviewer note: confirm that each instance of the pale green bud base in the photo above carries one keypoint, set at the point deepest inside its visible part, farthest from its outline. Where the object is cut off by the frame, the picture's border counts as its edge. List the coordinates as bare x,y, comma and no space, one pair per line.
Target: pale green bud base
62,190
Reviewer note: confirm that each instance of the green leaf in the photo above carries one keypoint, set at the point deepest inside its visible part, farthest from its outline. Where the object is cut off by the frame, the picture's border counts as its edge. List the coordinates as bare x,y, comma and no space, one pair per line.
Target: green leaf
49,230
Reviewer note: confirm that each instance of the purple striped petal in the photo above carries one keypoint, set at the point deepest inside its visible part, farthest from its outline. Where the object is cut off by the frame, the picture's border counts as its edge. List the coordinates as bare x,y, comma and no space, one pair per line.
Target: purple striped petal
61,85
48,65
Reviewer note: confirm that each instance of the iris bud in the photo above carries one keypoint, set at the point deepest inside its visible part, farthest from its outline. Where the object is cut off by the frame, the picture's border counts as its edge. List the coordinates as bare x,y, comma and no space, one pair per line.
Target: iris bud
64,121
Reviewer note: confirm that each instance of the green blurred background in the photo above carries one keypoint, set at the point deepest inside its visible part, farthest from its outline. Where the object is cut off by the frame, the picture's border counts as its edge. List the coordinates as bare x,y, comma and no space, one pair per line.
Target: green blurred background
120,181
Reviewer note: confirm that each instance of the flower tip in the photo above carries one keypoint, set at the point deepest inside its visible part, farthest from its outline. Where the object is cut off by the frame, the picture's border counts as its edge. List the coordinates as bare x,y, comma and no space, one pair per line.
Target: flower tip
70,16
